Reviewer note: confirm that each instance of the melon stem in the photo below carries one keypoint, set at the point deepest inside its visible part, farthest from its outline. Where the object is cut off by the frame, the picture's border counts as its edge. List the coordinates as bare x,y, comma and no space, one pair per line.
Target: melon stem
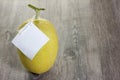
37,10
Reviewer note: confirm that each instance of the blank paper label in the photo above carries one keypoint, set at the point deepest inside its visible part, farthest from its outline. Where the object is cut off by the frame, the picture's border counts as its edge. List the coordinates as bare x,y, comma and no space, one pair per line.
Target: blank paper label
30,40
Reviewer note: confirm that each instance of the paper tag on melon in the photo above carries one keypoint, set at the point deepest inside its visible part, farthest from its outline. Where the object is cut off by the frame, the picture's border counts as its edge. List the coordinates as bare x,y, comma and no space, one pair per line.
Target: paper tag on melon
30,40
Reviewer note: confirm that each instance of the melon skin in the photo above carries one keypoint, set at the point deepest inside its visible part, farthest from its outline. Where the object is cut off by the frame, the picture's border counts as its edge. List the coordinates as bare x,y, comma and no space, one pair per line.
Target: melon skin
46,56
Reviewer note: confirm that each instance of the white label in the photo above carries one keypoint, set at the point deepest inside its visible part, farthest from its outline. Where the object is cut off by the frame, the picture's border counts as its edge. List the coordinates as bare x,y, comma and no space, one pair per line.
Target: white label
30,40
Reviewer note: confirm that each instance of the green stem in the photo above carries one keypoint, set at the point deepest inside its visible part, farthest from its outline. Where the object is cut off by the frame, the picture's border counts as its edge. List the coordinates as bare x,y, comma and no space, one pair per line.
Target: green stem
37,10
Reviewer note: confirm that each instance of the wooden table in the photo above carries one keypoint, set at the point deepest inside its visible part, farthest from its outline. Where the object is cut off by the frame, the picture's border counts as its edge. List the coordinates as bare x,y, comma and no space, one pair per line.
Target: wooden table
89,38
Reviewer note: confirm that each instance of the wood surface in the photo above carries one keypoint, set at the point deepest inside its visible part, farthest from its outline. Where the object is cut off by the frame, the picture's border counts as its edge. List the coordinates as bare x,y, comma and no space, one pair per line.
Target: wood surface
89,38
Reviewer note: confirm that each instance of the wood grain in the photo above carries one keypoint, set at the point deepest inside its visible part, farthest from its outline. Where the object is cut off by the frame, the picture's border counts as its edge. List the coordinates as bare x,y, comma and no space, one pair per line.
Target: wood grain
89,38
